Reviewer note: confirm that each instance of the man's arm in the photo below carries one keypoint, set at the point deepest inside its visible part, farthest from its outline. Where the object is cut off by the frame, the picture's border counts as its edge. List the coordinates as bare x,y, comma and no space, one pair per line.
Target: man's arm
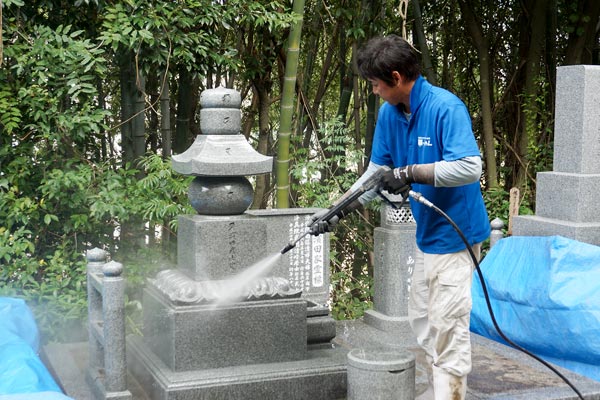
439,174
457,173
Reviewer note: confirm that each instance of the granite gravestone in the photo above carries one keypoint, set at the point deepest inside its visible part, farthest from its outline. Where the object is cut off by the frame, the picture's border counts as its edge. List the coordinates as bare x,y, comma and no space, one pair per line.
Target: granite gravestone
271,339
566,198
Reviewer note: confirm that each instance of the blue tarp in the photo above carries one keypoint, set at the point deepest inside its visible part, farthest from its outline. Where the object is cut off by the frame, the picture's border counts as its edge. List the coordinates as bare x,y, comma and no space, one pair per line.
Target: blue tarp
545,294
21,370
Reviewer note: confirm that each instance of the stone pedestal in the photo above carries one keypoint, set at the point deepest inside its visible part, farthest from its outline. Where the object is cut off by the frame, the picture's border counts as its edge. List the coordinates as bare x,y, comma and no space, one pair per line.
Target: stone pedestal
195,337
394,245
277,347
566,202
321,376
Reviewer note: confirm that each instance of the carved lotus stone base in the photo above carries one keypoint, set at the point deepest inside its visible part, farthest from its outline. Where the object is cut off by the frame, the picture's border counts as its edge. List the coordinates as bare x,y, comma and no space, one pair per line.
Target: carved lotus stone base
181,289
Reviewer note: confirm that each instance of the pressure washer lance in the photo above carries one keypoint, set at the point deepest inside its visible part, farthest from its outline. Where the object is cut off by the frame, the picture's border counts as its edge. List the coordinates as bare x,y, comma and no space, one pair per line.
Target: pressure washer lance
336,210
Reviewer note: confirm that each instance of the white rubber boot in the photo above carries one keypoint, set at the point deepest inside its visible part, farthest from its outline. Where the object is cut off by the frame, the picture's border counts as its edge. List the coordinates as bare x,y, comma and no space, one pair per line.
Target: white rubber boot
447,386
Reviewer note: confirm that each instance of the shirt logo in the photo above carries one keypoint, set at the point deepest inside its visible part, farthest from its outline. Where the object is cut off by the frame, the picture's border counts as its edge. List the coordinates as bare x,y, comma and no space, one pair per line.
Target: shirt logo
424,141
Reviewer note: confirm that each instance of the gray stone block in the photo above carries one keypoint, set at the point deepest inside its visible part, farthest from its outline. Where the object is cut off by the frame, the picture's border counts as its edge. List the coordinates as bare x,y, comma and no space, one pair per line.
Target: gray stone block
220,121
203,336
381,374
307,265
218,195
320,376
320,329
220,97
219,247
577,125
531,225
394,260
567,196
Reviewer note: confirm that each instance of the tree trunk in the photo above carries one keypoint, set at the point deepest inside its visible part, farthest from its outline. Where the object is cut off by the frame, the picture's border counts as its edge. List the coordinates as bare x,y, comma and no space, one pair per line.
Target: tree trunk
138,126
372,110
262,181
184,112
346,75
153,87
580,45
165,113
428,69
127,81
486,89
529,109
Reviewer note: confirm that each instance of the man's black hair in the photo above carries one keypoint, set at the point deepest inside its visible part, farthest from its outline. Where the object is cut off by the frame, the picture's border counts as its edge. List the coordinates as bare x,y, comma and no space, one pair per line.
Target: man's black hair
382,55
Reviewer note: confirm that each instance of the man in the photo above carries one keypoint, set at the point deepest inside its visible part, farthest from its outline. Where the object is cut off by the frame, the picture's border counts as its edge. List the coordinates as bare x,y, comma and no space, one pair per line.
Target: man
424,134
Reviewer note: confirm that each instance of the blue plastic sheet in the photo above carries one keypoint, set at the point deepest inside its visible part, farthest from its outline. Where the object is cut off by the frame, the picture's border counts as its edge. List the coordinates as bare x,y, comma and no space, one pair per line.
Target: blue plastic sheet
21,370
36,396
545,294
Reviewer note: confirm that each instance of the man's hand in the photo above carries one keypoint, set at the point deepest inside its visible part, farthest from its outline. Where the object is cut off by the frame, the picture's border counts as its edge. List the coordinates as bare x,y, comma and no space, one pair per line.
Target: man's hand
318,228
397,180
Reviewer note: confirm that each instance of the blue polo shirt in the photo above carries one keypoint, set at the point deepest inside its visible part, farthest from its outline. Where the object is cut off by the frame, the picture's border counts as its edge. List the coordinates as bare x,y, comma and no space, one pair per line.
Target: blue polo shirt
439,129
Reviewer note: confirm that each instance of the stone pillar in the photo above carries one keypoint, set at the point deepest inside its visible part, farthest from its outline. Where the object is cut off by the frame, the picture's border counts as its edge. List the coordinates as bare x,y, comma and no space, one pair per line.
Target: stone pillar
496,234
394,245
95,260
115,362
566,198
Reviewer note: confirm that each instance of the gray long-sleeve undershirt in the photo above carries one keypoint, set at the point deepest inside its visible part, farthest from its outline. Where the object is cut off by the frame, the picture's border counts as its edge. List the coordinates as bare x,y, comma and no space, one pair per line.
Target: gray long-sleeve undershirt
446,174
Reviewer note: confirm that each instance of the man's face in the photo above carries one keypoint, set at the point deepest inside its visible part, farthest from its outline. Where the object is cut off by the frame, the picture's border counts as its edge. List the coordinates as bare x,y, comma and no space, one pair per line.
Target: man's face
391,94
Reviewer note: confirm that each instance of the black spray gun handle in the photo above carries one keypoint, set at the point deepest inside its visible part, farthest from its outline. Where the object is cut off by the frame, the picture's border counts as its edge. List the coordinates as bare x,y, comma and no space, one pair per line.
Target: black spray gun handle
373,183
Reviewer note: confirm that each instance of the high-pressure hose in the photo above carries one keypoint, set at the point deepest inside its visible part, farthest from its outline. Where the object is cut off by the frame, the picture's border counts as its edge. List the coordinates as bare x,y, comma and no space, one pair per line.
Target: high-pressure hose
421,199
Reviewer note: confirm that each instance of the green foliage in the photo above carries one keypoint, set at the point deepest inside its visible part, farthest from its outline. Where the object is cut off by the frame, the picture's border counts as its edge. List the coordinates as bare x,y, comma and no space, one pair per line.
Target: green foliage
540,149
161,30
44,235
497,202
167,192
321,181
351,297
187,31
51,91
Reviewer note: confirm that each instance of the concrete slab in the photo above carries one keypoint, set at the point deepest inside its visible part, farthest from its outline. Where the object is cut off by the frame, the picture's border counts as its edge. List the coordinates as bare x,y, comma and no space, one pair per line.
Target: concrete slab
499,372
321,376
68,362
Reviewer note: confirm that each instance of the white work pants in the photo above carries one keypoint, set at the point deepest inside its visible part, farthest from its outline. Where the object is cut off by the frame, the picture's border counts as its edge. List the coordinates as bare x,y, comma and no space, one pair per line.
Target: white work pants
439,308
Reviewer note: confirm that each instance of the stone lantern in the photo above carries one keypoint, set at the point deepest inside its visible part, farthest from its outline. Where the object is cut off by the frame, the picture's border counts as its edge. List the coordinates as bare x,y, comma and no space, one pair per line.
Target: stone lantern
221,157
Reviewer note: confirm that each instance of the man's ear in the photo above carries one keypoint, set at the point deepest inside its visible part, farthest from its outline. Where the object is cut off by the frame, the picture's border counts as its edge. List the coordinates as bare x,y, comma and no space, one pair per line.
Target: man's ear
397,77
